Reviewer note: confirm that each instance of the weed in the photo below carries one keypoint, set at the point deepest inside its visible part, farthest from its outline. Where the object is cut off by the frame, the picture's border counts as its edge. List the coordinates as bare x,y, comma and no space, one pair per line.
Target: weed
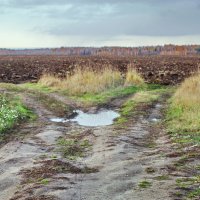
194,194
53,157
197,167
73,148
44,181
11,112
145,184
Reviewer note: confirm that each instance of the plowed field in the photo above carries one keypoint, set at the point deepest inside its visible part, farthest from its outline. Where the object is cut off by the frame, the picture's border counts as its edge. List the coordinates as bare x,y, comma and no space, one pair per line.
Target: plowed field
155,69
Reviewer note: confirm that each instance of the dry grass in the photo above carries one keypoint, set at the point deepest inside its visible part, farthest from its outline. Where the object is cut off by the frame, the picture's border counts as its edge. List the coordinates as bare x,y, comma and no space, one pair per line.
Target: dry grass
89,81
188,94
184,111
133,77
85,81
50,81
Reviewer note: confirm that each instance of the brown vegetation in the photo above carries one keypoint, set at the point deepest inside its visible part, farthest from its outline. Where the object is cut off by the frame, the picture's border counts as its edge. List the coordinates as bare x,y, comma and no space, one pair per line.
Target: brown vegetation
188,94
86,80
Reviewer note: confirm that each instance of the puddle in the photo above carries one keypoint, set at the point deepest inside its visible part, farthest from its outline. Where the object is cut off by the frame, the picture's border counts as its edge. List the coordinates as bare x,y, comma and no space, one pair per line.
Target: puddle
155,116
155,120
101,118
58,120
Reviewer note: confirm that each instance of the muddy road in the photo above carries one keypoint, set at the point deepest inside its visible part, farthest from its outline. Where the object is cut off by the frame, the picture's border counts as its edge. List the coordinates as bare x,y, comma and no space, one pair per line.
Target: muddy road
120,162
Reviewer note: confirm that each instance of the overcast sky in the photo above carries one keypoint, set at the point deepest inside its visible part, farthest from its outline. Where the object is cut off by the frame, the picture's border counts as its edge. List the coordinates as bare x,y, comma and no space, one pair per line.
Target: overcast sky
55,23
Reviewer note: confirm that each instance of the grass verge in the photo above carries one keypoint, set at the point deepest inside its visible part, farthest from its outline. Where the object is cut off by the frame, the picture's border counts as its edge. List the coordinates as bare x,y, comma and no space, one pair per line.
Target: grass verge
183,125
183,116
11,112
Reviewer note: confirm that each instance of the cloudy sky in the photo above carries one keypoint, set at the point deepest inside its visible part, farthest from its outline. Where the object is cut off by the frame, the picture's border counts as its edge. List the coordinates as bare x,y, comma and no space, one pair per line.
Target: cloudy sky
55,23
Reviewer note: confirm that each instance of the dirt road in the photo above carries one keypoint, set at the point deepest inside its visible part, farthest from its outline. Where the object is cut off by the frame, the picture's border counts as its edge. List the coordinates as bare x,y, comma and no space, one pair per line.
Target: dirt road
124,163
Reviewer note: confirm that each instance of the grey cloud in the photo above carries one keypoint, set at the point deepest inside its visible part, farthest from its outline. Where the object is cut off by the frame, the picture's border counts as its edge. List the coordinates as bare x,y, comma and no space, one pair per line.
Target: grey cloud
111,17
128,20
31,3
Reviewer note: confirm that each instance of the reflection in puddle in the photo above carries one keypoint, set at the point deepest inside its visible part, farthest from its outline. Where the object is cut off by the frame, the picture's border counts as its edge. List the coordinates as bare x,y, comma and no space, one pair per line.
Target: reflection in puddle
155,120
58,120
102,118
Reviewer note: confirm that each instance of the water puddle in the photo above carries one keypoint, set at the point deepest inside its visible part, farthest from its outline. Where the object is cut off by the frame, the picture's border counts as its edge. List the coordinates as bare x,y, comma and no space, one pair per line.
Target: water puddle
155,116
101,118
155,120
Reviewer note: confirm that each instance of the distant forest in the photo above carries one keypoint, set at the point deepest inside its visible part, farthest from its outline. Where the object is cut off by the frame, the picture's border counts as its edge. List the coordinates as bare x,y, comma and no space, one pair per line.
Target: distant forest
108,51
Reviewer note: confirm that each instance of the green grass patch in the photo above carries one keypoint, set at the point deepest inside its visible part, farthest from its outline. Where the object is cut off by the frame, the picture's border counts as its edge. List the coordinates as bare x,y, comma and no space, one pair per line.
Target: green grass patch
106,96
36,87
41,94
144,96
44,181
145,184
183,124
86,98
11,112
190,186
194,194
11,87
73,148
183,114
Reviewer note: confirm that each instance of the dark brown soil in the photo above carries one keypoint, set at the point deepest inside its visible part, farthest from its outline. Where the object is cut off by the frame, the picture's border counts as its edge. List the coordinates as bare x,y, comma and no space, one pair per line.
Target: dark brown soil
155,69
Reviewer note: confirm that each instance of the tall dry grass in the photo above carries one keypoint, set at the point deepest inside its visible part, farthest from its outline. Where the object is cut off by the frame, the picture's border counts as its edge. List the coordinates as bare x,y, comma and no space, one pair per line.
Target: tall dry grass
89,81
183,115
85,81
133,77
50,80
188,94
